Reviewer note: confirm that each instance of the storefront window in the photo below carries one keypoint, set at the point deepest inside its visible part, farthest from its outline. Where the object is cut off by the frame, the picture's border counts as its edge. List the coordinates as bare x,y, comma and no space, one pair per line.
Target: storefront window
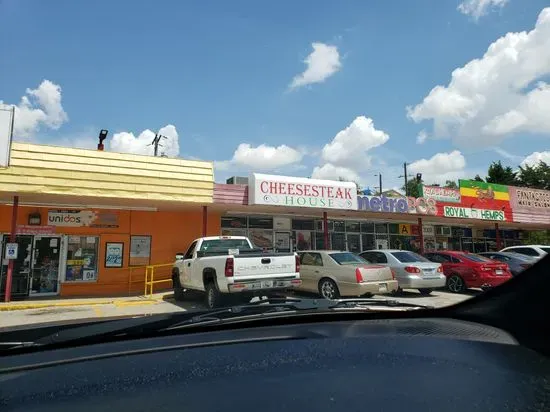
367,227
368,242
353,226
234,222
261,238
381,228
394,228
260,222
339,226
82,258
320,241
338,241
303,240
300,224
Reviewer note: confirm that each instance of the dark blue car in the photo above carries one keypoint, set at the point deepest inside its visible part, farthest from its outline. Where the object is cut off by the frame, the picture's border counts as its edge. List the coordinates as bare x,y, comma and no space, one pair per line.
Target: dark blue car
517,262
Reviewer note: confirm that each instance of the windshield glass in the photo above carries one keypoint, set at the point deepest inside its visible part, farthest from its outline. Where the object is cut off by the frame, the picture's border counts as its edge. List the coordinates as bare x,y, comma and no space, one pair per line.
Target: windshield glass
230,151
408,257
344,258
475,258
224,244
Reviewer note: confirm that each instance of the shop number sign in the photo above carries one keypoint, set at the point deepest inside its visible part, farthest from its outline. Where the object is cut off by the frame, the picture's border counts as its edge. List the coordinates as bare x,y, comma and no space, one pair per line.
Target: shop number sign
11,251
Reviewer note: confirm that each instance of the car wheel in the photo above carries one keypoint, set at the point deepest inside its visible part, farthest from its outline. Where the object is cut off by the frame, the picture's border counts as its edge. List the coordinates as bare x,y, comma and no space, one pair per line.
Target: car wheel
328,289
455,284
425,291
397,291
179,292
214,299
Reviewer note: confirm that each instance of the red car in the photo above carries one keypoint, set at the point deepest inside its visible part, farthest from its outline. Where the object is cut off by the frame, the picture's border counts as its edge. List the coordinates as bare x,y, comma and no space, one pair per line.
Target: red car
468,270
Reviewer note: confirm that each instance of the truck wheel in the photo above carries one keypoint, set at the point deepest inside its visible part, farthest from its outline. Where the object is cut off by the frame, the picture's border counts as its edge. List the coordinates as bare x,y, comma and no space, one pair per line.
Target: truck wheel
214,299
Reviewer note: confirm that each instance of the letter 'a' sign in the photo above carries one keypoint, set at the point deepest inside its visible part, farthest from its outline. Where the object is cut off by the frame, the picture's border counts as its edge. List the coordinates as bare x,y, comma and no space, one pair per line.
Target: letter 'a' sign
301,192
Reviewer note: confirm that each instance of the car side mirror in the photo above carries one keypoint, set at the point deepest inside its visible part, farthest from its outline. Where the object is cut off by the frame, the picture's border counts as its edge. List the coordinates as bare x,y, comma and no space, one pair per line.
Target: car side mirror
179,256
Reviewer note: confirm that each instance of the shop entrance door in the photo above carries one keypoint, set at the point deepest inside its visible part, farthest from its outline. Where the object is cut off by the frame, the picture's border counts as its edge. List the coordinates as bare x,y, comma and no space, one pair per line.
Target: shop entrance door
45,268
354,242
21,267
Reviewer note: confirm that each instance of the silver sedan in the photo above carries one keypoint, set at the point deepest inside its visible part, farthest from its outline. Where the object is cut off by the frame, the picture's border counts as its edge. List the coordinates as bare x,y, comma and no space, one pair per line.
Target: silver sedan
412,271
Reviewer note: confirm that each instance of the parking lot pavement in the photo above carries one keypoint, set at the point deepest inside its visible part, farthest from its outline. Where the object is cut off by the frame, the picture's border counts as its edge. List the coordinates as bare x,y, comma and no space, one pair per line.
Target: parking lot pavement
167,304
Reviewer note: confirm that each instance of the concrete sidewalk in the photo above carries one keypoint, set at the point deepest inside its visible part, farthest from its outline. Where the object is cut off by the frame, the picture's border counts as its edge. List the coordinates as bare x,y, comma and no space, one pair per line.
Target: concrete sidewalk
69,302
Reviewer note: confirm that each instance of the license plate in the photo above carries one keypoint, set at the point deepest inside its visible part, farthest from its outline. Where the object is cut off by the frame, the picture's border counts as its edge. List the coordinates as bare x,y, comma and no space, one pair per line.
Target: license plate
267,284
382,287
499,272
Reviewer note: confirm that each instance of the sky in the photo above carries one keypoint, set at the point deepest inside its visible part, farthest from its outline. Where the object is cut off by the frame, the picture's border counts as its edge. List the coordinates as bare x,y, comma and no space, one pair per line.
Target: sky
313,88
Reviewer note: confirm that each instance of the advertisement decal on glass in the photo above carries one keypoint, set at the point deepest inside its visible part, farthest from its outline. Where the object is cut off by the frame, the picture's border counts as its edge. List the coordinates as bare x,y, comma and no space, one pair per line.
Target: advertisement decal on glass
114,252
140,250
441,194
301,192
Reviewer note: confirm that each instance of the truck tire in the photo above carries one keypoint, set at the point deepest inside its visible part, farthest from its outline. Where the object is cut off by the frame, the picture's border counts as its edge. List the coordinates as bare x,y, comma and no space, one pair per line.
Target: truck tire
214,299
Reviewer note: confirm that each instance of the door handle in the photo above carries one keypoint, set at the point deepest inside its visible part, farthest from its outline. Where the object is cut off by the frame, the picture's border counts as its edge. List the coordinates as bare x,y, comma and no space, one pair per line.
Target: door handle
316,271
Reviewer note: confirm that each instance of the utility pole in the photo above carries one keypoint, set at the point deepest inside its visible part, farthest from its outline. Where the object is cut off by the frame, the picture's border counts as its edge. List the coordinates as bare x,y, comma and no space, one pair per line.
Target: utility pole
406,181
380,181
156,143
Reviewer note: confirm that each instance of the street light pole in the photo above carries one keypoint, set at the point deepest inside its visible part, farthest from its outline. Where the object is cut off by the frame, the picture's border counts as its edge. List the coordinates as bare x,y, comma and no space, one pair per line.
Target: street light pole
380,180
405,173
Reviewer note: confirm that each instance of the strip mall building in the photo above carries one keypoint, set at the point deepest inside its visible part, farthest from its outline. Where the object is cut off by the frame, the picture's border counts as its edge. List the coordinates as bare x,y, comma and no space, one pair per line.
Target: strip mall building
88,222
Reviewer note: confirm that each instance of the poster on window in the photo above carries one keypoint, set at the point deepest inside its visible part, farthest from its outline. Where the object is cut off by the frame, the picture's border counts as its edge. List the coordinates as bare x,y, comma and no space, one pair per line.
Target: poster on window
114,252
262,238
140,250
282,241
303,240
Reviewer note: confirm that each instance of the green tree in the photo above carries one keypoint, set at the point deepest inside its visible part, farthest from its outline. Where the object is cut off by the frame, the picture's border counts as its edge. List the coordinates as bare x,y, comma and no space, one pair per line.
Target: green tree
537,176
501,175
478,178
413,188
451,184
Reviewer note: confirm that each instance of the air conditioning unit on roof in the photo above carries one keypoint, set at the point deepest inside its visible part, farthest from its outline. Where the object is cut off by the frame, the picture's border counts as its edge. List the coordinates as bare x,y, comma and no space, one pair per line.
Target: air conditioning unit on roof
237,180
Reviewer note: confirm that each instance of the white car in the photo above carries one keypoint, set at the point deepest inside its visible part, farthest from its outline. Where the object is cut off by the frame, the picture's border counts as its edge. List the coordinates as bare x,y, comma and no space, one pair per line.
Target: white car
536,251
333,274
412,271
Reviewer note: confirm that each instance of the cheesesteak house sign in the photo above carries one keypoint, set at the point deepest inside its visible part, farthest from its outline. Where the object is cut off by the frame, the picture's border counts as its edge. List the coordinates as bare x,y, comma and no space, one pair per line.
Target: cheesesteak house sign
301,192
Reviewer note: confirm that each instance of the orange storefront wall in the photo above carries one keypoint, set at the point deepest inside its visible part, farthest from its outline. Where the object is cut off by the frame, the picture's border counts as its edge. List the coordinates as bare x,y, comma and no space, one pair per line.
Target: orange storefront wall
170,232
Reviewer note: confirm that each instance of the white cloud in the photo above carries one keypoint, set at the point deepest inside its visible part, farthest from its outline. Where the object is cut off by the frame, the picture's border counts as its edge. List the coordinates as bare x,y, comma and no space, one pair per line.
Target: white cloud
127,142
349,148
421,137
262,157
440,167
497,95
40,107
534,158
330,172
322,63
479,8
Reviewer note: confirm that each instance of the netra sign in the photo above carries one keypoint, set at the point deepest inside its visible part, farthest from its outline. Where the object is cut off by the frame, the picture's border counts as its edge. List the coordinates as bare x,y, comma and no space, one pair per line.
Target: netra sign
467,213
301,192
397,204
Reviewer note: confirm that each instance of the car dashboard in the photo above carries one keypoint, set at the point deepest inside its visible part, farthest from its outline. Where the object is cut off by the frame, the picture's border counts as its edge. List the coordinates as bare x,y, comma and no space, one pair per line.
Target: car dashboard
420,364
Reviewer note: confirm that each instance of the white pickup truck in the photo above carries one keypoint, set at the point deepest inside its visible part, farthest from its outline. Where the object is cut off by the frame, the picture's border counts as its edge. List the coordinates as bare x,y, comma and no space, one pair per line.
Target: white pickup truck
230,266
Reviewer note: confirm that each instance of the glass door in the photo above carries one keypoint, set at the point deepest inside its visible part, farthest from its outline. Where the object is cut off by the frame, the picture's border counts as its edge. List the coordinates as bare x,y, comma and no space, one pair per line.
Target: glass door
21,267
354,242
45,268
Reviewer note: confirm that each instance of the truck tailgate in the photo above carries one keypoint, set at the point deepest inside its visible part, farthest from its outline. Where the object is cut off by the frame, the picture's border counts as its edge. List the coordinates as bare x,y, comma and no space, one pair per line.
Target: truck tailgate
265,267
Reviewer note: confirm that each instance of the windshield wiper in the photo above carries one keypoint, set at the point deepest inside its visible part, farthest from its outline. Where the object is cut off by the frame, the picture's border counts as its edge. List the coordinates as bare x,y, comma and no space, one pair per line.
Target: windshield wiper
149,324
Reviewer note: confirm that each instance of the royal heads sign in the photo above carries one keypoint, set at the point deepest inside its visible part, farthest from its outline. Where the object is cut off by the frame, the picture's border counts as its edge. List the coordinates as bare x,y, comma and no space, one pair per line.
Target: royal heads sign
288,191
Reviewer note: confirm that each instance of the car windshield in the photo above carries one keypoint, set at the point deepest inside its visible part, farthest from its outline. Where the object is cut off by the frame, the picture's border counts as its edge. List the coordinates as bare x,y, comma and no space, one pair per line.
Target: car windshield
346,258
409,257
231,151
224,244
475,258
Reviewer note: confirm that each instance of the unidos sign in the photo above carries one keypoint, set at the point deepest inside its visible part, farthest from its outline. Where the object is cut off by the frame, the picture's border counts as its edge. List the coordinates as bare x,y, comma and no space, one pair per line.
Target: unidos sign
301,192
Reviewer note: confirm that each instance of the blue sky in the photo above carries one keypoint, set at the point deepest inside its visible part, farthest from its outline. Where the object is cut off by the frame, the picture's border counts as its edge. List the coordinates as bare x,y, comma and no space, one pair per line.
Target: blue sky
212,75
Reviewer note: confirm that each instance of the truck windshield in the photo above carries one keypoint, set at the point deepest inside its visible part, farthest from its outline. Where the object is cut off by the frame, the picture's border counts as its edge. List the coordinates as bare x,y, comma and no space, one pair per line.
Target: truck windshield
224,244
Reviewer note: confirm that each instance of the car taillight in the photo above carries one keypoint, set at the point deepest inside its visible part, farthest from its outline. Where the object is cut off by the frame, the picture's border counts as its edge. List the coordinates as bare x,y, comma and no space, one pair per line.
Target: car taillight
392,274
526,265
485,268
229,265
297,263
440,269
358,275
412,269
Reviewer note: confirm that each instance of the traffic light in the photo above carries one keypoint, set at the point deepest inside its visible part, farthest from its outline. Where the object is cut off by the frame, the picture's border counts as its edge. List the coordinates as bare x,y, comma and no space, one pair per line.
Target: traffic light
102,136
419,178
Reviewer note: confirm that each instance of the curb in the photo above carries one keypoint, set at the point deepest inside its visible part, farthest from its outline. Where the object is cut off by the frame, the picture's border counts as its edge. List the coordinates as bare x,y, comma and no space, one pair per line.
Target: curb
117,302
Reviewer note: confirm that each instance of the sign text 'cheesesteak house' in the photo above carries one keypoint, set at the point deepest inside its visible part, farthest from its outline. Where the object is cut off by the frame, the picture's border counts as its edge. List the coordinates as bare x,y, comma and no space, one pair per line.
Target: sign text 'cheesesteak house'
301,192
